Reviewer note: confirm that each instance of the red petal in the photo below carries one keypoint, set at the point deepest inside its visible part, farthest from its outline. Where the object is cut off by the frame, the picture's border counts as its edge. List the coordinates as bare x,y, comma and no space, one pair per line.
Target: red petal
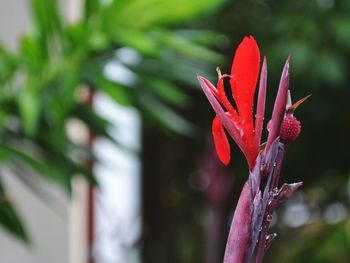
245,71
220,140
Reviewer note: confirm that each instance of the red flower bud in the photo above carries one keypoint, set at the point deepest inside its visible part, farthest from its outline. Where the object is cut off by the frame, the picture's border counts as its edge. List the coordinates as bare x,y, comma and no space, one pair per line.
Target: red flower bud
290,129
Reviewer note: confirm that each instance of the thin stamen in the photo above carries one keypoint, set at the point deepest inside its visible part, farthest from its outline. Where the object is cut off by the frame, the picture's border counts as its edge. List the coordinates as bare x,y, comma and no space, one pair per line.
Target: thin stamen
222,94
298,103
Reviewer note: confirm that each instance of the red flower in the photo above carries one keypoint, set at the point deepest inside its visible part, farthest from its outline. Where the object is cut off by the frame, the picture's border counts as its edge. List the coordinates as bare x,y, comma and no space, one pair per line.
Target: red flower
249,229
238,121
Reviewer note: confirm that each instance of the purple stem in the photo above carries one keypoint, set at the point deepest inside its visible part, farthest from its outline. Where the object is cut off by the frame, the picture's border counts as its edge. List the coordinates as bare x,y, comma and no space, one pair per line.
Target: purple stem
238,242
279,160
260,252
271,205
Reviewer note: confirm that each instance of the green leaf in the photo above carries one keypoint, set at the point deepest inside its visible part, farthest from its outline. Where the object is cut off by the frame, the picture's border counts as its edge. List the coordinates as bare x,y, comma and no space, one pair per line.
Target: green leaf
9,218
165,116
97,40
117,92
46,19
205,38
137,39
8,65
46,169
174,68
29,107
187,48
165,90
32,54
11,221
96,124
59,97
158,12
91,7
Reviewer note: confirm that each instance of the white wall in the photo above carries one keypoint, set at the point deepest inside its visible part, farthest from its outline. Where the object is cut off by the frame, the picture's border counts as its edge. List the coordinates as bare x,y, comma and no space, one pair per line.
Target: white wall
14,18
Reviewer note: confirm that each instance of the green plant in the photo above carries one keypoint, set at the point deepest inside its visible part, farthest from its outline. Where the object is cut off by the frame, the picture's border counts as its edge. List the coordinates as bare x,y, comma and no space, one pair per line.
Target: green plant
40,81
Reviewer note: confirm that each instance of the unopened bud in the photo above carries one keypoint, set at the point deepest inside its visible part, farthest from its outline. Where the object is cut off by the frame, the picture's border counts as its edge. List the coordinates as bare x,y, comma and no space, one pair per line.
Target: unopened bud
290,129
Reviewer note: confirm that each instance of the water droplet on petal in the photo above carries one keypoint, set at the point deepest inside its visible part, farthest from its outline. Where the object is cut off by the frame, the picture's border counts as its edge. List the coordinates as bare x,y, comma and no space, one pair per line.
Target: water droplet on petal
268,126
241,132
269,218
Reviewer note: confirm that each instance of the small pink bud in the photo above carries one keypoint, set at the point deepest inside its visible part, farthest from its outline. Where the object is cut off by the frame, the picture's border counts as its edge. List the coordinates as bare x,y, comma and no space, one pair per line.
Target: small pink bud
290,129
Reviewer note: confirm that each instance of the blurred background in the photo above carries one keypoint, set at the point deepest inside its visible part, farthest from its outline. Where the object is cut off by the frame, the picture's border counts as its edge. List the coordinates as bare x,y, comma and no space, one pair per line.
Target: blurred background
105,140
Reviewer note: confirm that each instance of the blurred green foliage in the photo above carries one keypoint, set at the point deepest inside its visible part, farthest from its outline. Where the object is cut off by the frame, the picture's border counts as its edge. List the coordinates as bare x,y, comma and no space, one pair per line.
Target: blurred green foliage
57,60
